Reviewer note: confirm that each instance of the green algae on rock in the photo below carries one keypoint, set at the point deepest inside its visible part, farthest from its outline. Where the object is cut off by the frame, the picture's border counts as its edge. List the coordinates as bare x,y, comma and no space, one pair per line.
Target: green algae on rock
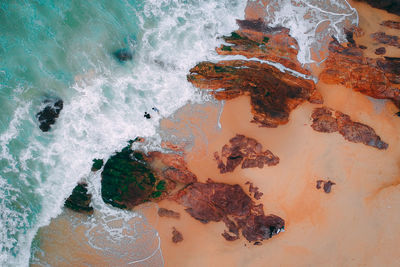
128,180
79,200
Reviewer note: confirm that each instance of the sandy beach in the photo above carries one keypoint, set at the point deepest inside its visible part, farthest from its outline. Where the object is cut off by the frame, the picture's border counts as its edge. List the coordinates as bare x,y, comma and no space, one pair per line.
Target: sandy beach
356,224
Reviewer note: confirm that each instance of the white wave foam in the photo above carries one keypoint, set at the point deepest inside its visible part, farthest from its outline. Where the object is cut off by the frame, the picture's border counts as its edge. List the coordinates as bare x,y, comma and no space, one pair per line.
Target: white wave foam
311,23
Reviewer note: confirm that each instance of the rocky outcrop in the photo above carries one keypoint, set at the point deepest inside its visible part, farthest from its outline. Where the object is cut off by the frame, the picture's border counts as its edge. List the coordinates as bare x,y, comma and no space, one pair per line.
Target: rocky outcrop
130,177
217,202
49,113
254,190
79,200
168,213
327,185
327,121
97,164
246,151
380,51
377,78
384,38
391,24
273,93
176,236
392,6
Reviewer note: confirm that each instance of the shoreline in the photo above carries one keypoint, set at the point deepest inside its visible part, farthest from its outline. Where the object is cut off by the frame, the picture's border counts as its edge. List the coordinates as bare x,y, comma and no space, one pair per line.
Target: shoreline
343,227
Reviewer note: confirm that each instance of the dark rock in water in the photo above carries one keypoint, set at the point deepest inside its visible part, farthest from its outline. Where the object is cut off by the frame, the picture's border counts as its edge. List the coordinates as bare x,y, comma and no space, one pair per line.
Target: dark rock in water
128,180
362,47
168,213
176,236
123,54
79,200
384,38
392,6
398,113
49,114
97,164
327,185
380,51
391,24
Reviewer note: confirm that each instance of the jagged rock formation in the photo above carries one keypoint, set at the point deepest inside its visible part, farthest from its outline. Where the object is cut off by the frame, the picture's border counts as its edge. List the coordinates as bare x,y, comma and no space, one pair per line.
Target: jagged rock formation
79,200
384,38
273,93
216,202
50,112
392,6
246,151
327,121
254,190
391,24
378,78
97,164
162,212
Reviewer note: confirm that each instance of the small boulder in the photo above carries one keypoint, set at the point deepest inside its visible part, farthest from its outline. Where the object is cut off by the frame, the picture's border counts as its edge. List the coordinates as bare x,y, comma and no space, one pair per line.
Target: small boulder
48,115
123,54
176,236
79,200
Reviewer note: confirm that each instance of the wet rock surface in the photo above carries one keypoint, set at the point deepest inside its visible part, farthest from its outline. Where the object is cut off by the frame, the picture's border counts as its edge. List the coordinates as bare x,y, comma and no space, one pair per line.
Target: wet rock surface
391,24
162,212
216,202
392,6
273,93
377,78
327,185
380,51
246,151
80,200
384,38
254,190
327,121
50,112
176,236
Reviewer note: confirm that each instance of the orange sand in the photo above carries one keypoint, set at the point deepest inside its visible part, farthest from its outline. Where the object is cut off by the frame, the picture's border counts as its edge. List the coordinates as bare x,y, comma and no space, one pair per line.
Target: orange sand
357,224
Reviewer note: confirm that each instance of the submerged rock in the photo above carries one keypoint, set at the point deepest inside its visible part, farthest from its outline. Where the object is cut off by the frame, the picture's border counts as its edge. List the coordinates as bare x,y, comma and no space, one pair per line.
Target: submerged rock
50,112
80,200
391,24
377,78
380,51
327,121
123,54
327,185
168,213
216,202
244,150
384,38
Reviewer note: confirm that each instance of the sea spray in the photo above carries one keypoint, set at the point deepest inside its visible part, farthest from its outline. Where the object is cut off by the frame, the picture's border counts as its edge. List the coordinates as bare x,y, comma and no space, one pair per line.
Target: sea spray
65,50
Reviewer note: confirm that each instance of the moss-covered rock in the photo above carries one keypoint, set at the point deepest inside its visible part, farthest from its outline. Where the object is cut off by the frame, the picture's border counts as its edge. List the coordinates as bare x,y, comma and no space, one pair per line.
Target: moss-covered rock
128,180
79,200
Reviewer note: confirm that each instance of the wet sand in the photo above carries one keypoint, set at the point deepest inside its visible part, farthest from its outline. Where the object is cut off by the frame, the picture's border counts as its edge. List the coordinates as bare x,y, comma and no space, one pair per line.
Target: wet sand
357,224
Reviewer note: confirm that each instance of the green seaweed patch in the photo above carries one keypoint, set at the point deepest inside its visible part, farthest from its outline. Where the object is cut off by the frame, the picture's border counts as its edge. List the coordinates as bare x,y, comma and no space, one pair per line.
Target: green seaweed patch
236,36
226,48
97,164
265,39
127,179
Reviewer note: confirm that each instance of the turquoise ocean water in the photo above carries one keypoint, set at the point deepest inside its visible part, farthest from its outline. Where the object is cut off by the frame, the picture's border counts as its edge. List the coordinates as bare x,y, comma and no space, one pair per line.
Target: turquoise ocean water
63,49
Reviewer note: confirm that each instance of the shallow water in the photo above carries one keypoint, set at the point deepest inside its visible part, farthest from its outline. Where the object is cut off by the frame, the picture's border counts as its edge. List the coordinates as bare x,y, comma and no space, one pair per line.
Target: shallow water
64,50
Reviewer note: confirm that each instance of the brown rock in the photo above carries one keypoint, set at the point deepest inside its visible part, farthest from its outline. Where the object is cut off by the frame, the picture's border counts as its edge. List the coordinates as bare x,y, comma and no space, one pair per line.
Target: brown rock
378,78
217,201
380,51
162,212
245,150
176,236
319,182
253,189
383,38
327,185
325,121
391,24
392,6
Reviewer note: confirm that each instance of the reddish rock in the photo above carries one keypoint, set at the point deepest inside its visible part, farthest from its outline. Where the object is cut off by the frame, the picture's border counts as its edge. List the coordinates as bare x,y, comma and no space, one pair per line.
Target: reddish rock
384,38
391,24
162,212
380,51
246,151
325,121
216,202
327,185
254,190
176,236
378,78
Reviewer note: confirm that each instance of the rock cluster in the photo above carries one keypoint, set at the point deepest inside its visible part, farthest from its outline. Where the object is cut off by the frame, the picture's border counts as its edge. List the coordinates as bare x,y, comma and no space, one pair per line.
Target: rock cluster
384,38
216,202
327,185
327,121
246,151
50,112
391,24
377,78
